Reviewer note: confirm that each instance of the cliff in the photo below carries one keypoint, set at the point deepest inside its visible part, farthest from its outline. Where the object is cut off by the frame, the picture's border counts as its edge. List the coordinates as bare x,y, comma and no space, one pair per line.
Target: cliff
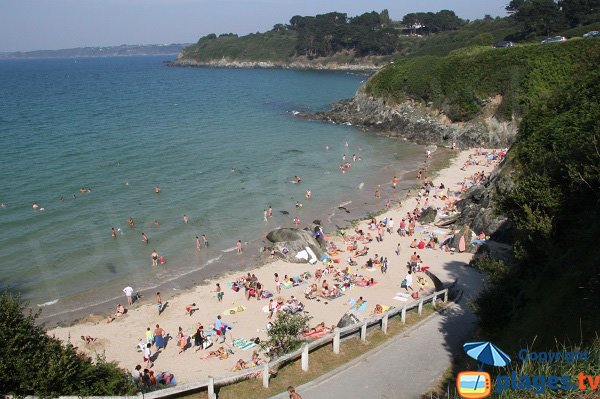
419,123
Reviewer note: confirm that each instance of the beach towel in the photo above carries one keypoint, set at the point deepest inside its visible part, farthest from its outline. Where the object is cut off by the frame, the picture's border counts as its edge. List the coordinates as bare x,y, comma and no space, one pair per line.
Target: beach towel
243,344
361,308
287,285
159,341
234,310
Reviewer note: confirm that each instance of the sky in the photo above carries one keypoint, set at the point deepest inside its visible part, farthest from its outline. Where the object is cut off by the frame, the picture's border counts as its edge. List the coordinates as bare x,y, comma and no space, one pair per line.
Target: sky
56,24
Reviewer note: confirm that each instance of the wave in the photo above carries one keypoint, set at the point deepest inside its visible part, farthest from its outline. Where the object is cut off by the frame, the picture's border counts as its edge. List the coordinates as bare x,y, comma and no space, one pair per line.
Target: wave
344,204
41,305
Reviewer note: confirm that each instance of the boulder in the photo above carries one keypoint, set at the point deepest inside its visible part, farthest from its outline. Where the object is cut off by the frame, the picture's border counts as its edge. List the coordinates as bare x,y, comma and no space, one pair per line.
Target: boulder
295,240
466,232
428,216
347,320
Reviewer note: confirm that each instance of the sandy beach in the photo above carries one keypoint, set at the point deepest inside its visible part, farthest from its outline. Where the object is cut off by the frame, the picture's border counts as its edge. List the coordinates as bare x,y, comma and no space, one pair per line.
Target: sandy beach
118,340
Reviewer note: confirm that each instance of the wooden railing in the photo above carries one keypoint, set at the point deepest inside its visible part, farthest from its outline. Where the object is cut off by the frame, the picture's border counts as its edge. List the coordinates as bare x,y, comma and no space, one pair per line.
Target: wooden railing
302,353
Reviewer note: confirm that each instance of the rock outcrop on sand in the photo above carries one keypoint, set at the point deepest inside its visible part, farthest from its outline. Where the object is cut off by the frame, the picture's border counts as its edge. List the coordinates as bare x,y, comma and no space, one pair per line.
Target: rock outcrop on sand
478,208
418,123
290,241
468,234
428,216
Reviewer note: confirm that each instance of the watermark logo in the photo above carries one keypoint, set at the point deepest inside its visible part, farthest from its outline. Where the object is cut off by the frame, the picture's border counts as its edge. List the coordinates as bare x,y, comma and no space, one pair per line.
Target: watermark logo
474,384
478,384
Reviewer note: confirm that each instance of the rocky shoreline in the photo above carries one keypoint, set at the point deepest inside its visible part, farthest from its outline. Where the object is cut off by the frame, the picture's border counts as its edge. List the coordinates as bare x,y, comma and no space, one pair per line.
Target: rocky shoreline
418,123
298,65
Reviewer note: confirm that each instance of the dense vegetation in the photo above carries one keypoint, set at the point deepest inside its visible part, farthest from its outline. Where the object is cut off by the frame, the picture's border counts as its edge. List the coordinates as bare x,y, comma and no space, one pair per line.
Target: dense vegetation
554,286
31,363
461,83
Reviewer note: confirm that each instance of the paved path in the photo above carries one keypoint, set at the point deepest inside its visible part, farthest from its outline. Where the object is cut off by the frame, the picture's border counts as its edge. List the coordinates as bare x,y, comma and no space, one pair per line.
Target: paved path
411,363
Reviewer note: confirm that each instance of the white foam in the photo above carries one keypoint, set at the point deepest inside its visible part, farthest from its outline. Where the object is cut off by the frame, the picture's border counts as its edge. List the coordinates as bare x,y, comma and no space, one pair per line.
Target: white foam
344,204
41,305
229,249
361,185
212,260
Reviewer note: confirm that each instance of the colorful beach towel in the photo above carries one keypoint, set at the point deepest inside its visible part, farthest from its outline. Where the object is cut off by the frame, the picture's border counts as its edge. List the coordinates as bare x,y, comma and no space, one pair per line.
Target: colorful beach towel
234,310
243,344
331,298
361,308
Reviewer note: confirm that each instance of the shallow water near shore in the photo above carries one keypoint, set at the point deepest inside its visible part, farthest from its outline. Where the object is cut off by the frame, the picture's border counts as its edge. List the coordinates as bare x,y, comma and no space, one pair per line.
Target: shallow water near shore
222,144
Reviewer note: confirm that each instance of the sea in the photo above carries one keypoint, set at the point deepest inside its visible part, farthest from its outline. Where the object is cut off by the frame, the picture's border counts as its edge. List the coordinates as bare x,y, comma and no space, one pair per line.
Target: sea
223,145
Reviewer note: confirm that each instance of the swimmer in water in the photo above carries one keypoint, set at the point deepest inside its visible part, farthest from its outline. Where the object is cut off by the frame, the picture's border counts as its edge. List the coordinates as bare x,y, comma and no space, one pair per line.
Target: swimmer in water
327,147
154,258
270,211
3,205
185,218
126,183
197,243
156,223
308,195
113,233
346,144
130,222
61,199
298,204
344,158
35,206
157,190
144,238
297,179
233,170
353,157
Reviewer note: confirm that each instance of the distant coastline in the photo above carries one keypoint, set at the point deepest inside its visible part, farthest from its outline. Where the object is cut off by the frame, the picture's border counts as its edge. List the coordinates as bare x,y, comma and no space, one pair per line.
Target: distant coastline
124,50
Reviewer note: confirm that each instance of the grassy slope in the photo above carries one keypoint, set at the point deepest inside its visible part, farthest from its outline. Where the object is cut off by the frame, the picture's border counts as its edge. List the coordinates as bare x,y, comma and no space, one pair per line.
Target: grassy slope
459,83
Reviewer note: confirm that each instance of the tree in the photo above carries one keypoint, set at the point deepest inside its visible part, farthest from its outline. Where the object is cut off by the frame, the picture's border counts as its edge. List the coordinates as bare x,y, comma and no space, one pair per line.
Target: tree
31,363
284,332
541,17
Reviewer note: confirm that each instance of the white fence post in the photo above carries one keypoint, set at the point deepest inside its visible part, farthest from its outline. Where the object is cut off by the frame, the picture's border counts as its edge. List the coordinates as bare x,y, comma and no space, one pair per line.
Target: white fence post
211,388
433,299
305,358
266,375
363,332
384,323
336,342
420,306
403,315
446,295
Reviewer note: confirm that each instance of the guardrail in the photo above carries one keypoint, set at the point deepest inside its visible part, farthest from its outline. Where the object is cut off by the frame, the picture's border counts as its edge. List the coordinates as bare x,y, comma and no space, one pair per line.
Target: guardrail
303,352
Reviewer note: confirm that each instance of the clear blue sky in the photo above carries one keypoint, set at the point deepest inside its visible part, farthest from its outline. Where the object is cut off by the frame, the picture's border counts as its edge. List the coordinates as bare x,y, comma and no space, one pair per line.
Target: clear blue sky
54,24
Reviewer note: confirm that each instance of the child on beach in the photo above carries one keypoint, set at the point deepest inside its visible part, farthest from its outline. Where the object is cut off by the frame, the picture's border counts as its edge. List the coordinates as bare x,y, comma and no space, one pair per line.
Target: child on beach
159,304
219,292
189,309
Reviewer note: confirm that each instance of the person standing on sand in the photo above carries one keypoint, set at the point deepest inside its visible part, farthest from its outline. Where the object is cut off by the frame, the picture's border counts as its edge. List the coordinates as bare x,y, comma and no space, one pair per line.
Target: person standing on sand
159,337
219,292
197,243
159,304
145,238
277,284
238,247
154,258
128,292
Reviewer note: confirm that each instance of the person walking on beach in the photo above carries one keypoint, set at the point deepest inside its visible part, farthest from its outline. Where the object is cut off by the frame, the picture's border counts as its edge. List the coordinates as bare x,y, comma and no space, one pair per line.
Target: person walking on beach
147,355
409,281
221,327
154,258
128,292
145,238
395,183
149,336
159,304
238,247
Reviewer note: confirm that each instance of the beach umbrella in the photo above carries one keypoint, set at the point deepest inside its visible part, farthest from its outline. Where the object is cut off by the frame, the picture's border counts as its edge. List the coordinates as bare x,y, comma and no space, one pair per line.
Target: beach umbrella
486,353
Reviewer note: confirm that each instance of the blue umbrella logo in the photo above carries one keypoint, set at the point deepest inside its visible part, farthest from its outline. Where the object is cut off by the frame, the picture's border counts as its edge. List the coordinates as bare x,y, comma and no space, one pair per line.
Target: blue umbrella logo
486,353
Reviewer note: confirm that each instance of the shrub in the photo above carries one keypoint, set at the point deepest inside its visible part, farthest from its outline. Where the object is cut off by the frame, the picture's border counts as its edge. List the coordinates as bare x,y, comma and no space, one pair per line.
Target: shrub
284,333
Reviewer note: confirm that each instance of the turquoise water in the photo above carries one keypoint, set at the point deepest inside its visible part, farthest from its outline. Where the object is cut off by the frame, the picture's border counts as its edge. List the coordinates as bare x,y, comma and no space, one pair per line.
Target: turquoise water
121,126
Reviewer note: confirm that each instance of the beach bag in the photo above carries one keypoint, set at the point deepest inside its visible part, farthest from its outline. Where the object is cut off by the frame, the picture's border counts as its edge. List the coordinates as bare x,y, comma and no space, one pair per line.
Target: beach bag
403,284
235,287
